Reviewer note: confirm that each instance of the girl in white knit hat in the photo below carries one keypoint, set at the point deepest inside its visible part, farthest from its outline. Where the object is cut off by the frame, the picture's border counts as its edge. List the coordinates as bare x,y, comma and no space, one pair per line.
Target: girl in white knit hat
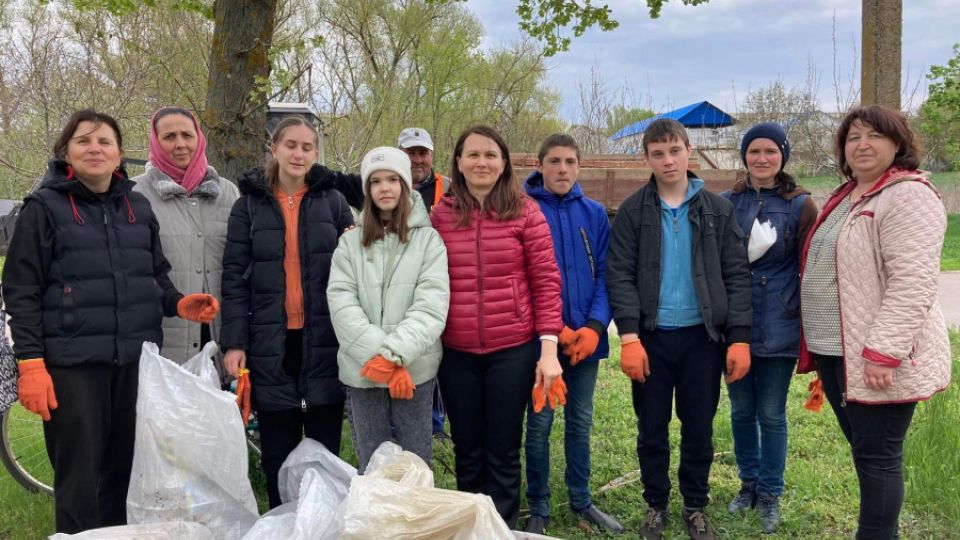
388,296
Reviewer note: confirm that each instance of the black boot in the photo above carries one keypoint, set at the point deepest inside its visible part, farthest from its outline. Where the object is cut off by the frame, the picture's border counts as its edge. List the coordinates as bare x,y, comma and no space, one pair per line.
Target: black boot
537,524
746,499
593,515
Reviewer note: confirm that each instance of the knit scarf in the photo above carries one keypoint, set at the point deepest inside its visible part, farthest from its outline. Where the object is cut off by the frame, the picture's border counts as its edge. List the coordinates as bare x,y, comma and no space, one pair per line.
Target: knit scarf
190,177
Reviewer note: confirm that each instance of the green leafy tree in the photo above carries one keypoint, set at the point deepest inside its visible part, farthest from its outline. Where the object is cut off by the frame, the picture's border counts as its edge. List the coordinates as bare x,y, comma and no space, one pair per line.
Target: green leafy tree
940,114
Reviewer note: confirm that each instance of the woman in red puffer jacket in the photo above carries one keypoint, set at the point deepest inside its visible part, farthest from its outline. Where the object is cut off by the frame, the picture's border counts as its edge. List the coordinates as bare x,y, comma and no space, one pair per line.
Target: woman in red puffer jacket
505,314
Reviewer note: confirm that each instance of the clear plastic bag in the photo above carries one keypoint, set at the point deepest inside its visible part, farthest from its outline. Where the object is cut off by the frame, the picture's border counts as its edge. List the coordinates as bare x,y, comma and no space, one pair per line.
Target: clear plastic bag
190,454
310,454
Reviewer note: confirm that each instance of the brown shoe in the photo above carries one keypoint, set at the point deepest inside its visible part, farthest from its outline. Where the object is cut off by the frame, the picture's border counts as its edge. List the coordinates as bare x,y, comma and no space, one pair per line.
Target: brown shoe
698,524
654,523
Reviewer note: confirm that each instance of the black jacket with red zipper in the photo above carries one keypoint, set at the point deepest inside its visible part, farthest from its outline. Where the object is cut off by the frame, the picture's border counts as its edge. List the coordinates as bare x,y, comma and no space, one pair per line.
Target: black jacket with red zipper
85,279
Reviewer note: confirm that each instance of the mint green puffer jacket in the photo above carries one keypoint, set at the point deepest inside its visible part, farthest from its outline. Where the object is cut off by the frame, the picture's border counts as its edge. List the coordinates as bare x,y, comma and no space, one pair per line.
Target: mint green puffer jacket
390,299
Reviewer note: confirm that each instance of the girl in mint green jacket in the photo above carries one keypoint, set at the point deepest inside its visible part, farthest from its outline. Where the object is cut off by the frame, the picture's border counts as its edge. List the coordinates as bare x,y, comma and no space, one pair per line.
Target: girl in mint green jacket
388,295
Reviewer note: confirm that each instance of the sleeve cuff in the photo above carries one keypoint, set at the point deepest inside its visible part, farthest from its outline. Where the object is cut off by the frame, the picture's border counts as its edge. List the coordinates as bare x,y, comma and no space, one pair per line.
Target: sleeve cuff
738,334
879,359
596,326
549,337
627,325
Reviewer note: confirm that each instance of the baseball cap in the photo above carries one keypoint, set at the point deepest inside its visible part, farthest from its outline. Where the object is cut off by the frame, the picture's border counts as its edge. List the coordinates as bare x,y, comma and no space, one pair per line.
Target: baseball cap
411,137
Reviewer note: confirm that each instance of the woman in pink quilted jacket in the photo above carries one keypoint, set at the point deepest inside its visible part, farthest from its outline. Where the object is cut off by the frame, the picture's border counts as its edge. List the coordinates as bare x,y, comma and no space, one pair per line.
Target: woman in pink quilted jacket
872,325
500,342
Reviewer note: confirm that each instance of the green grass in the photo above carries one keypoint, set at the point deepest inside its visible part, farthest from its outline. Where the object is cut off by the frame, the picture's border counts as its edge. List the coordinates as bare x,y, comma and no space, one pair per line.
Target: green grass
820,501
817,183
950,258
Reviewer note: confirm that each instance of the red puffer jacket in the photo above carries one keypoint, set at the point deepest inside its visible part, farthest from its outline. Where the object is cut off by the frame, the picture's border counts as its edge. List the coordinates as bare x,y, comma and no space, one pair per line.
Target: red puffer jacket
504,281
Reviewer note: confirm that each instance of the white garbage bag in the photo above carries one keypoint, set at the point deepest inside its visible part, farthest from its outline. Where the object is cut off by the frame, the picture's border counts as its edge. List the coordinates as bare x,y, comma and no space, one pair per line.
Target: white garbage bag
391,500
190,454
172,530
312,517
310,454
762,237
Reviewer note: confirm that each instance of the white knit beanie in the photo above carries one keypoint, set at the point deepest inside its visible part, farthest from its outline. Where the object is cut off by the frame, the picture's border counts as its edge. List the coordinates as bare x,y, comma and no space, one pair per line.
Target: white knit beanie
386,158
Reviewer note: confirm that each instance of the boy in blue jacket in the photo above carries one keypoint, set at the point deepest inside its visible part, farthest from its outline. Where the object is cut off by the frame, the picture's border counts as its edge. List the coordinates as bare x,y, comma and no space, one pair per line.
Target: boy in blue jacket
581,232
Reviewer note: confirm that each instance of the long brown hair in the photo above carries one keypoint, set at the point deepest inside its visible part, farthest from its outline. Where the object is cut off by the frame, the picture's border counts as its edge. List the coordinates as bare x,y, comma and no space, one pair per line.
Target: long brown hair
891,124
373,226
506,197
272,169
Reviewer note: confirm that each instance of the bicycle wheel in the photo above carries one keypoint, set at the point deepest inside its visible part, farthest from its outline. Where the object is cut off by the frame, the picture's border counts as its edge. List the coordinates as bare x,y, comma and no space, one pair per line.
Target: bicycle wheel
253,434
23,450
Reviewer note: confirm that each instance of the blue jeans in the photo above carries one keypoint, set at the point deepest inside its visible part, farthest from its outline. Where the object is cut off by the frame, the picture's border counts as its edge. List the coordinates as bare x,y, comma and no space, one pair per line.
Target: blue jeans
758,414
578,418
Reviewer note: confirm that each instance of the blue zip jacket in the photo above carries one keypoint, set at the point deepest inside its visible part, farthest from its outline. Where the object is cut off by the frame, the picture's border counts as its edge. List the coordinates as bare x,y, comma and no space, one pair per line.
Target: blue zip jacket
775,275
678,306
580,231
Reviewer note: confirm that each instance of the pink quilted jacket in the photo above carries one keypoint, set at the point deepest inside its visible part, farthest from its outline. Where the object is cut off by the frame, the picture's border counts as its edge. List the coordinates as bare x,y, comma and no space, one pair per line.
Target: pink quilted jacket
504,280
888,262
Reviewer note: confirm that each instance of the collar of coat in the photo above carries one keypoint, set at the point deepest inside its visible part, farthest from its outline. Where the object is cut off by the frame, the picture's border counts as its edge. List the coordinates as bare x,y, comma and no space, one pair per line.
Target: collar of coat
535,188
56,178
166,188
742,185
254,181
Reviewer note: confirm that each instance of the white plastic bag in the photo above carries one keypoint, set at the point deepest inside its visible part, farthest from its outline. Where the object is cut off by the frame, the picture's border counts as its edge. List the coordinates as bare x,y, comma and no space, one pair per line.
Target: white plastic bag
379,507
312,517
310,454
171,530
762,237
190,454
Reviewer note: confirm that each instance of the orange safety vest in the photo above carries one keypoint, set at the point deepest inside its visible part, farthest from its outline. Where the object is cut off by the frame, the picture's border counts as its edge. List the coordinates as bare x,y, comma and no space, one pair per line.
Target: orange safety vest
438,190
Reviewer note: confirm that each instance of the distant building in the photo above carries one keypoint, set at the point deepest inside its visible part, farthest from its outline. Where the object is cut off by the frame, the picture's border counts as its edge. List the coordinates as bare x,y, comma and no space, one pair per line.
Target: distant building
707,127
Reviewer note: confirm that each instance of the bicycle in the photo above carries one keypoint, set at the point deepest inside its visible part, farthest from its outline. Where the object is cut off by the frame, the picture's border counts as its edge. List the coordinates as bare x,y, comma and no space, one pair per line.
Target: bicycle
23,450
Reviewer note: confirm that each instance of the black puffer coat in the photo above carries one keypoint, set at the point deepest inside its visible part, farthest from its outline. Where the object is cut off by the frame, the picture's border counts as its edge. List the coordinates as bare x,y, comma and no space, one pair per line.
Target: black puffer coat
254,290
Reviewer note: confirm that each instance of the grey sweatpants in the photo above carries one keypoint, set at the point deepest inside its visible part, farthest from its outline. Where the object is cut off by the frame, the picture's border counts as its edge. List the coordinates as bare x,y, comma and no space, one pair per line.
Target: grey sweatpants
375,417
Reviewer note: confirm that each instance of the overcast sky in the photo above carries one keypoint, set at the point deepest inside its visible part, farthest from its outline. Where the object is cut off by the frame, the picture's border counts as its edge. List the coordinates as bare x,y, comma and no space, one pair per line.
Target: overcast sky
721,50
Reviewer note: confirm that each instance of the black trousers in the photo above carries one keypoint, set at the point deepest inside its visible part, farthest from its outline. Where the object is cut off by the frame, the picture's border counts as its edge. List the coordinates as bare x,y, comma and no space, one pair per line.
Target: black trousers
875,434
282,431
89,440
684,362
486,396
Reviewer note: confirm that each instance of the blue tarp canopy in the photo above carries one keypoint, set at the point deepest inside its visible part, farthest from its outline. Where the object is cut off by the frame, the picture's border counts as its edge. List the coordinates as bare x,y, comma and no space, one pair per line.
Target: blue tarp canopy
702,114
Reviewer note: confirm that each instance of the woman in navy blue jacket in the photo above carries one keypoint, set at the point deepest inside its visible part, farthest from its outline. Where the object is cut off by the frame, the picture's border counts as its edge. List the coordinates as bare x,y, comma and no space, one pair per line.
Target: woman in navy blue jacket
580,231
758,401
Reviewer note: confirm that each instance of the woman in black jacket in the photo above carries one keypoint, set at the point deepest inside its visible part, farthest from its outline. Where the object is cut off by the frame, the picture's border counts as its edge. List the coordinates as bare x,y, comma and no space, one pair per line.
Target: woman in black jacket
280,240
86,285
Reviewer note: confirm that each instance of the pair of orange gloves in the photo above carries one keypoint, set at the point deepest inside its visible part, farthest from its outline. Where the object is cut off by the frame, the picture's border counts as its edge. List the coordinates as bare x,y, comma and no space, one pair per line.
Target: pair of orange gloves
380,370
577,345
635,364
35,387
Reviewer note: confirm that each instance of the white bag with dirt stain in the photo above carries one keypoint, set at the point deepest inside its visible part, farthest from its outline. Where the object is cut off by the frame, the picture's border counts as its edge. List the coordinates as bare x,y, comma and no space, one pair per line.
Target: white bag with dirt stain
190,453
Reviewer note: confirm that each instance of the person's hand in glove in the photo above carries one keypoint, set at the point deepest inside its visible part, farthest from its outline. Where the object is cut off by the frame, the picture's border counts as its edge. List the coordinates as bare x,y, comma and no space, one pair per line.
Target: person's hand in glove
738,361
584,344
557,395
379,370
35,388
815,400
567,337
401,384
198,307
634,362
243,394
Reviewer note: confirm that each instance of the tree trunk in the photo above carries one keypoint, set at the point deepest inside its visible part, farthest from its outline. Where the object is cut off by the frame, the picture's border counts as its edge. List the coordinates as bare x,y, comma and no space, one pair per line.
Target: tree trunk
235,118
882,29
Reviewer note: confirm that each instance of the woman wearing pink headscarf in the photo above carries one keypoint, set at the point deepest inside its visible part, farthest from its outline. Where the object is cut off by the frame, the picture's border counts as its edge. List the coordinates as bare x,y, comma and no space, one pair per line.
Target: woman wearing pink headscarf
192,203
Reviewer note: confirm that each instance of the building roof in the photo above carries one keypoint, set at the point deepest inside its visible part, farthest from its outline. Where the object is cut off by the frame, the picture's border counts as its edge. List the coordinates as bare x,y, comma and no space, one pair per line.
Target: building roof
695,115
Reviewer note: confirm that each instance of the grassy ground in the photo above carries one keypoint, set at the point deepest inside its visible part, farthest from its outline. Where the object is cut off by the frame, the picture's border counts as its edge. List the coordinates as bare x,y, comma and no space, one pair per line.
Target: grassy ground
950,258
941,180
820,499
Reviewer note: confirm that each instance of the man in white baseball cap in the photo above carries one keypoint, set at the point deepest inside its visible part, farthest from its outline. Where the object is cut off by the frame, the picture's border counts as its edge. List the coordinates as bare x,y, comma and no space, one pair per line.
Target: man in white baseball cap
416,142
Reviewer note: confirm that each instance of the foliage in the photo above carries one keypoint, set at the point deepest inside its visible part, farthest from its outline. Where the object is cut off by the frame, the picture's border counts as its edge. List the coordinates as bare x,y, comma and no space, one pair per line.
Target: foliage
940,114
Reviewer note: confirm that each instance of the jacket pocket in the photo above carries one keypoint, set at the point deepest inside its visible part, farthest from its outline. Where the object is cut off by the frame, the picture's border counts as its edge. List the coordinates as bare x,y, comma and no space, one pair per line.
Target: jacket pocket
68,306
516,299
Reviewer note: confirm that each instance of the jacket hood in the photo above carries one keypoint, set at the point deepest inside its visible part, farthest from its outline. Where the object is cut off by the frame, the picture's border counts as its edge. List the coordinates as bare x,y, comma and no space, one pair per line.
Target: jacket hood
534,188
167,188
57,178
418,213
742,185
254,181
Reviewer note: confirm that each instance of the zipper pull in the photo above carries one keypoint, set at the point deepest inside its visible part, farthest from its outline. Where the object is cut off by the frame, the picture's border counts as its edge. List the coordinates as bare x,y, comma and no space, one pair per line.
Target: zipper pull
676,225
290,206
303,405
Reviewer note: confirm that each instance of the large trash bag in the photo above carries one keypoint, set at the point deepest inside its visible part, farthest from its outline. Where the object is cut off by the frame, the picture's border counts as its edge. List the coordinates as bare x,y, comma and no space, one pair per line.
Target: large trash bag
313,516
396,499
310,454
190,454
173,530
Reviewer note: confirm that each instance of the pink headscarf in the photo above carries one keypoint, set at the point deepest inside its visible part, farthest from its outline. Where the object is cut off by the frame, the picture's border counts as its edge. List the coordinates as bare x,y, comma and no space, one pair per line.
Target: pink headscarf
190,177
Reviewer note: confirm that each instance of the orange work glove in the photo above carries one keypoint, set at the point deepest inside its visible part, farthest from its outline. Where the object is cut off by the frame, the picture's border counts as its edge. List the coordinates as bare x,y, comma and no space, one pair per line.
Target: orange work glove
633,360
243,394
35,388
815,401
198,307
567,337
584,344
557,395
378,369
401,385
738,361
